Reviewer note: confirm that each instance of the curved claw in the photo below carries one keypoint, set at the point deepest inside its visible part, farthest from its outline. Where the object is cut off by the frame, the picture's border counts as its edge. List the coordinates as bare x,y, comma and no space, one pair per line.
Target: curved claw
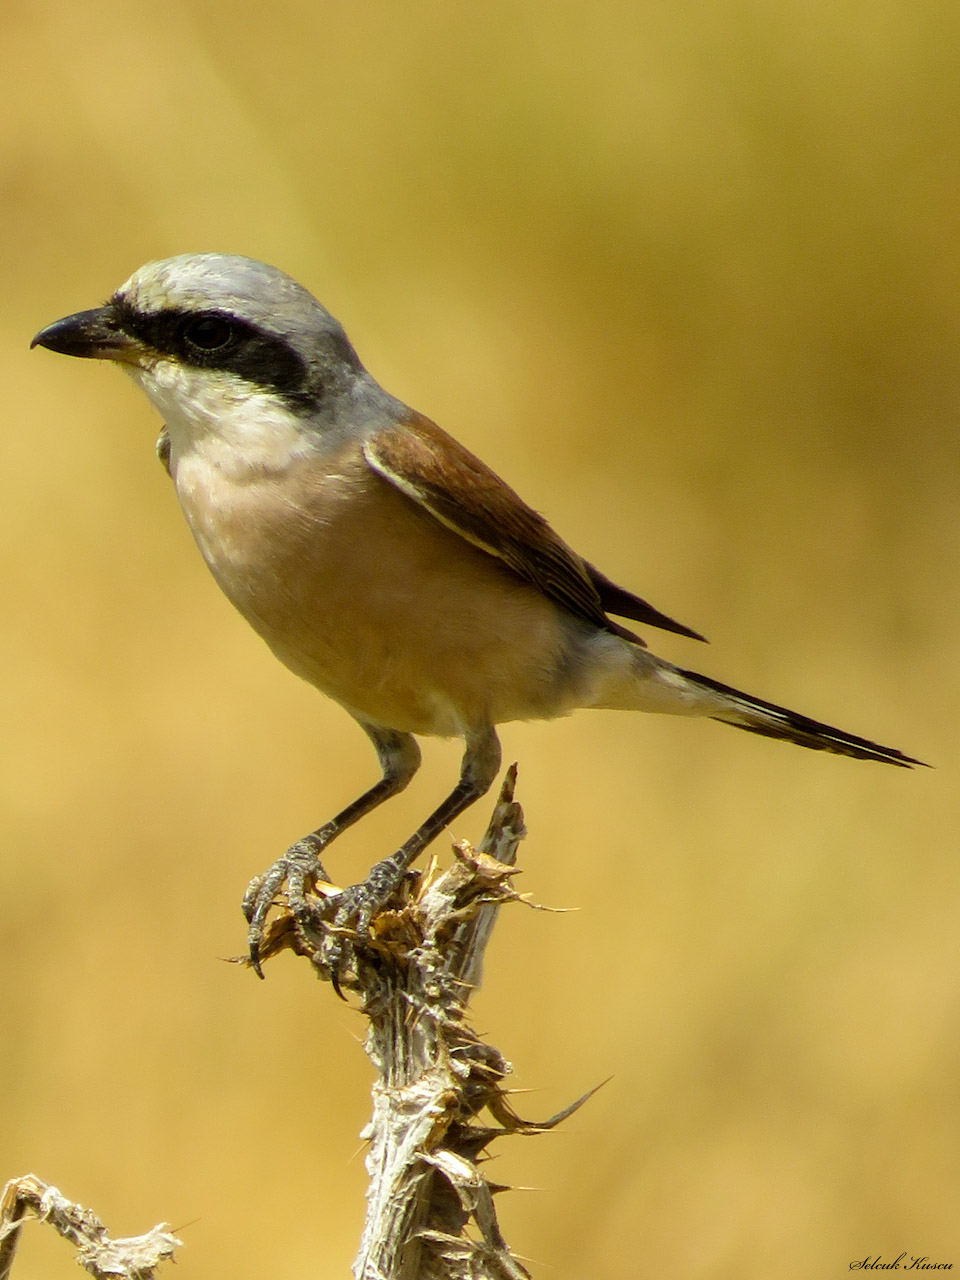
335,983
299,867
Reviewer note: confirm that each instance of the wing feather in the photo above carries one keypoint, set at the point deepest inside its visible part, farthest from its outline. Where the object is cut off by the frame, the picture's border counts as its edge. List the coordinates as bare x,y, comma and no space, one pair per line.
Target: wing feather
625,604
460,491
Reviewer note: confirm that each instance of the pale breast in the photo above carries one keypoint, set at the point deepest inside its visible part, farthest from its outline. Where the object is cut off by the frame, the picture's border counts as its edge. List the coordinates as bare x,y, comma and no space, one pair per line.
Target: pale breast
370,599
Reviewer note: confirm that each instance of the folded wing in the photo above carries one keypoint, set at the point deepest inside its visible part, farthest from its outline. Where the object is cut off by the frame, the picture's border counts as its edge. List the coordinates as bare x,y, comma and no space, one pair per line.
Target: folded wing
460,491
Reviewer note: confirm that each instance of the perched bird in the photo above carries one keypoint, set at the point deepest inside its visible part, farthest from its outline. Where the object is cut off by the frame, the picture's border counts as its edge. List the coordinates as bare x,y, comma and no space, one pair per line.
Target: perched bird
377,557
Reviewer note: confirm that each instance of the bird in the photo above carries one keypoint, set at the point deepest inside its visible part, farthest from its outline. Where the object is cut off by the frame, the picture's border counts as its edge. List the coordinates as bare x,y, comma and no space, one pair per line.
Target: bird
379,559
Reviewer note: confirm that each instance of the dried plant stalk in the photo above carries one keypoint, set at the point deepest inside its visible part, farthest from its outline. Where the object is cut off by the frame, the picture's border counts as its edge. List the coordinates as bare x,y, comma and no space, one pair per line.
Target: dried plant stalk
135,1258
430,1209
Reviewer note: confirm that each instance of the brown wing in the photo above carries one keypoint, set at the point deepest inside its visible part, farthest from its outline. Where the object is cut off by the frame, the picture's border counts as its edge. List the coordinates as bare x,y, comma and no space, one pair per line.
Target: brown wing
163,448
625,604
433,469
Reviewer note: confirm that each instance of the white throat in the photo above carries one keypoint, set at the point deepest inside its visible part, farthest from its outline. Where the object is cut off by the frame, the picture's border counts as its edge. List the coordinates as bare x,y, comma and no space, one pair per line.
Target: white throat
217,420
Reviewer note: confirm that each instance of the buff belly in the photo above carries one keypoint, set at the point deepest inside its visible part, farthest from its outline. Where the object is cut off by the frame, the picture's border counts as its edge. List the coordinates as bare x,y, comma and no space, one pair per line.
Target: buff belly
371,600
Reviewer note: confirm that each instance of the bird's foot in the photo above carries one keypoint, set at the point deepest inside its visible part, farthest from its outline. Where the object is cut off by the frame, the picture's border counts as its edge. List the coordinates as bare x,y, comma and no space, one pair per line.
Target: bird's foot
353,911
356,906
300,869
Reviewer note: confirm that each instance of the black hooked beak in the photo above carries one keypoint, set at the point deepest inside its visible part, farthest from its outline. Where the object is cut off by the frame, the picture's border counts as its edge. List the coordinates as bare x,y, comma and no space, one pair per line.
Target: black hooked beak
94,334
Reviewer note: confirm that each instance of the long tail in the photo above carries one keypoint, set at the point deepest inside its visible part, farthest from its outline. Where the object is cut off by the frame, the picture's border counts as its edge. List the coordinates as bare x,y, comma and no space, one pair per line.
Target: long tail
756,716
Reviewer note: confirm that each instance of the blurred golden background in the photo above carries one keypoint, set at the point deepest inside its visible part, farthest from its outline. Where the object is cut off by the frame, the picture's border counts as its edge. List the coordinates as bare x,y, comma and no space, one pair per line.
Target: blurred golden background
688,276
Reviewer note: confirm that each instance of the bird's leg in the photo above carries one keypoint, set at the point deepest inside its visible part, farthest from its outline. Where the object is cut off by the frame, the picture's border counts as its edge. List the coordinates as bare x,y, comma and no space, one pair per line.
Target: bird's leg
357,905
300,865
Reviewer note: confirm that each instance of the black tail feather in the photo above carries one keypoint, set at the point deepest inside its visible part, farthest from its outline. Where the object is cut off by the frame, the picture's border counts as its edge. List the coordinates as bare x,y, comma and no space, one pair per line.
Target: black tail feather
773,721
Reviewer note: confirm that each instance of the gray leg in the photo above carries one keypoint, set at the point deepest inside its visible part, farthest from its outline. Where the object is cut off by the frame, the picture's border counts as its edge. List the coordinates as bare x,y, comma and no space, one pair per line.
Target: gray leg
481,761
399,759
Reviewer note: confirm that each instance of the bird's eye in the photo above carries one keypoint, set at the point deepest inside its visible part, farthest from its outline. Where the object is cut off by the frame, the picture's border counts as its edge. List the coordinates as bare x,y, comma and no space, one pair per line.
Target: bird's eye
209,333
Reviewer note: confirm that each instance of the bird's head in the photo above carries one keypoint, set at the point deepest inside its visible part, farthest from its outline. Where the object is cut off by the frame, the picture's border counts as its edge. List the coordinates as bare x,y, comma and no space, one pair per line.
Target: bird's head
206,333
